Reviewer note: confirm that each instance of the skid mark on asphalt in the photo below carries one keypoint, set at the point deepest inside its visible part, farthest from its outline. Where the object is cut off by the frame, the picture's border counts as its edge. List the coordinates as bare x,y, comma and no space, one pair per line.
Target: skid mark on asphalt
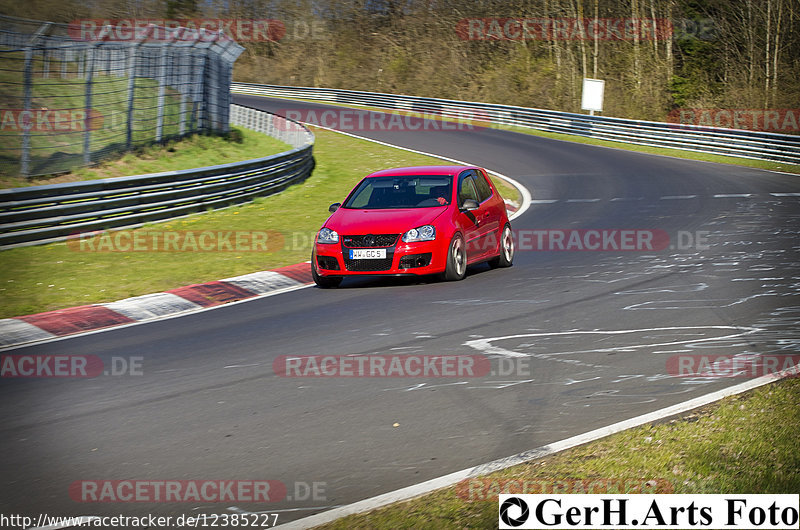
545,340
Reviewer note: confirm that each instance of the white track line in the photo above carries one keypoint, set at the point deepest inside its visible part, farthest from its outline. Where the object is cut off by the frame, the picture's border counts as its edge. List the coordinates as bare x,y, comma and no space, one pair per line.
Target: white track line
451,479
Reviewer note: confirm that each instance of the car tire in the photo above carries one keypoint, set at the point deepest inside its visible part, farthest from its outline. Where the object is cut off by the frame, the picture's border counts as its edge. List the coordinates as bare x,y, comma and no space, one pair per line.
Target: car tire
325,282
506,256
456,267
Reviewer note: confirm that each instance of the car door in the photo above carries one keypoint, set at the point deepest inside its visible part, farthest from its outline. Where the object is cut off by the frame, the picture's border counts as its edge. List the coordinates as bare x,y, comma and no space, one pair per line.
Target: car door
473,221
493,209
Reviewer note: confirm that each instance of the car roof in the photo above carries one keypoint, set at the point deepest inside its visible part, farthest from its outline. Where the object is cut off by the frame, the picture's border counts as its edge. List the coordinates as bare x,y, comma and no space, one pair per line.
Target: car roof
420,170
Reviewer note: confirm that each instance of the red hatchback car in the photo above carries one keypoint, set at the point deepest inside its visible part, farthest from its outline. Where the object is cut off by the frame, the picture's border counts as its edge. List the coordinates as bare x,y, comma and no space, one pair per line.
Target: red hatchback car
414,220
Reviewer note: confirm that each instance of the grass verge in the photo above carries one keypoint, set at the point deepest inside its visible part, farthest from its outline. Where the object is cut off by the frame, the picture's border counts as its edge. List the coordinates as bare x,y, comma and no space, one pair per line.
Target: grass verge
742,444
58,275
678,153
193,151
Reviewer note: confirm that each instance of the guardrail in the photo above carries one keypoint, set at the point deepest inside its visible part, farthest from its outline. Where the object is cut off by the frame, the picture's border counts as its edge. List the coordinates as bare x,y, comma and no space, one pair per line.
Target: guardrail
43,214
731,142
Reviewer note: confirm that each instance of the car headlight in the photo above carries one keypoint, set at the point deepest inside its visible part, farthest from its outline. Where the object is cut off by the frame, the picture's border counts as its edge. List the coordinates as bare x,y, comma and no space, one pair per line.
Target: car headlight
421,233
326,235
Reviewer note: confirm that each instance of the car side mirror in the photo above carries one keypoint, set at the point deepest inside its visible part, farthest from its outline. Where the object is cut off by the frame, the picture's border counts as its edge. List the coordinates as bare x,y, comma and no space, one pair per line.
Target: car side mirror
470,204
333,207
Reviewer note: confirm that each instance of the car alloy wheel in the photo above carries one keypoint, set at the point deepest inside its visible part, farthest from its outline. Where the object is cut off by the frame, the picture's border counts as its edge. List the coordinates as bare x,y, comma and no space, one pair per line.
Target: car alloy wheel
456,267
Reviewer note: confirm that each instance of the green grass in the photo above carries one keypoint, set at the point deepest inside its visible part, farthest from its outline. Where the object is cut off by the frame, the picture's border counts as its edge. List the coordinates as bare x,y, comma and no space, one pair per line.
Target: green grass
55,276
197,150
743,444
678,153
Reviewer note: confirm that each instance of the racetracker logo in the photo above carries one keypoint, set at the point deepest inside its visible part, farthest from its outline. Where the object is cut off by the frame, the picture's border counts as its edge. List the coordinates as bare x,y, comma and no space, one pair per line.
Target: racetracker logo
726,366
364,120
177,491
177,241
784,121
600,240
382,366
549,29
50,120
184,29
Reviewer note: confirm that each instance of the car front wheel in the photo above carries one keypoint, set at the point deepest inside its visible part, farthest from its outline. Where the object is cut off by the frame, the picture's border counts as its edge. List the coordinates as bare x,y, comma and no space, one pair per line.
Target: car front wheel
456,267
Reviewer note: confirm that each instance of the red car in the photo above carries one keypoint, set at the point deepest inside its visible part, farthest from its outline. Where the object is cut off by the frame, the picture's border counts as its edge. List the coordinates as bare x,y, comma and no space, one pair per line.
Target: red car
414,220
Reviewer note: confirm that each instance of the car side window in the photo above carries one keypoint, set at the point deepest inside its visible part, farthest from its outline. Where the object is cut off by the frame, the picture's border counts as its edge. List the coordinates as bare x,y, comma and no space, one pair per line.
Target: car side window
466,190
484,190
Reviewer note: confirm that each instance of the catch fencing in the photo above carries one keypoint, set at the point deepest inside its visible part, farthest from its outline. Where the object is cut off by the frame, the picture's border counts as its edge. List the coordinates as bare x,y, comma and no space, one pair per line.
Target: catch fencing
69,99
731,142
42,214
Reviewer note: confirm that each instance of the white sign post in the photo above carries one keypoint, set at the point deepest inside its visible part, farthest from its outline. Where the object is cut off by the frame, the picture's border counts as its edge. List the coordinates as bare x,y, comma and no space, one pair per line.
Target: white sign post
592,99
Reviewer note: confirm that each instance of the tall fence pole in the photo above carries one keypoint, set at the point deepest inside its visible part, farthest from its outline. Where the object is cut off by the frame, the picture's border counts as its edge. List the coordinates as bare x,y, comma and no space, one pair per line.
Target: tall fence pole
27,80
162,85
133,52
87,138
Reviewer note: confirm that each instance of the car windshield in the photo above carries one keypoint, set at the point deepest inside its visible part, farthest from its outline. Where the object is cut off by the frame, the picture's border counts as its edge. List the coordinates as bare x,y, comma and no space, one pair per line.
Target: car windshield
402,192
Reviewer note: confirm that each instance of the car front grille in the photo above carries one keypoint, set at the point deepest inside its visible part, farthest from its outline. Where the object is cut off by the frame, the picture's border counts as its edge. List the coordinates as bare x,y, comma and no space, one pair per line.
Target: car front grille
370,241
369,265
386,241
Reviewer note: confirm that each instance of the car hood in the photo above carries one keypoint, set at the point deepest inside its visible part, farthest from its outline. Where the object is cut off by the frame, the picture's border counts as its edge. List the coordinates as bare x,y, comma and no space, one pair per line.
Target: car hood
348,221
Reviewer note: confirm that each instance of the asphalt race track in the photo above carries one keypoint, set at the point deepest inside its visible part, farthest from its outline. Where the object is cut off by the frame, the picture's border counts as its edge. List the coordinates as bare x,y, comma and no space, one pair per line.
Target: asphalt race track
209,405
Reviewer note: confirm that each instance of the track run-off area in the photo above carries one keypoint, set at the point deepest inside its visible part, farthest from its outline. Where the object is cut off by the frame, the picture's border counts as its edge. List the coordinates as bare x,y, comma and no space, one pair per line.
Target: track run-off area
580,335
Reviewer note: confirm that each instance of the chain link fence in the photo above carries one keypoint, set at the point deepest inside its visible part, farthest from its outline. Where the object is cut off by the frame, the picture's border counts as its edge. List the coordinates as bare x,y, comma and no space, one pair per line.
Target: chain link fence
71,97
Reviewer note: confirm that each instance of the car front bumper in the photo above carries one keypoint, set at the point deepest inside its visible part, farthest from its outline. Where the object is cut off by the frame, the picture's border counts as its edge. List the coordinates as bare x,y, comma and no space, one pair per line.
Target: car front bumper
420,258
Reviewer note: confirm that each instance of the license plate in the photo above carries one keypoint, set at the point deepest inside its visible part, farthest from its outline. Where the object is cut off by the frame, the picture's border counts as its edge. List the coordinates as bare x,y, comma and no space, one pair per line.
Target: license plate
368,253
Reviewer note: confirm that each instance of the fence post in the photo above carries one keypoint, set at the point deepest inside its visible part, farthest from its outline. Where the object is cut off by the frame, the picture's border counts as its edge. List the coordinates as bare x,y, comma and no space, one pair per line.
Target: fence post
133,50
27,80
162,82
87,146
162,73
198,111
186,79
